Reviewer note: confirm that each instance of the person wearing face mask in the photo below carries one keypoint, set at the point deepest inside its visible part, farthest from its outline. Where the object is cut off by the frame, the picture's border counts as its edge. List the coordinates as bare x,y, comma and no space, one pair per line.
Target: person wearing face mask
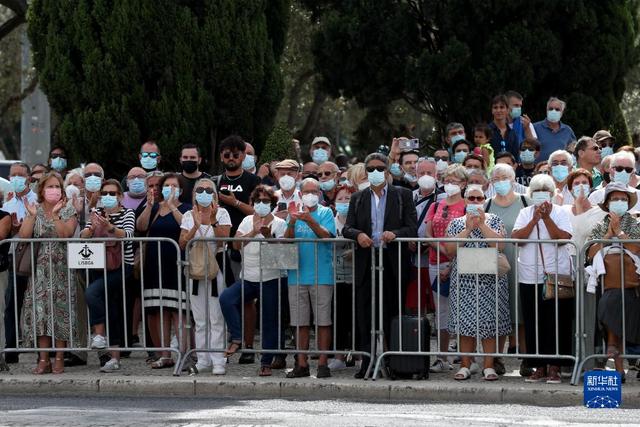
606,142
454,132
250,159
15,206
506,158
328,172
150,156
190,161
441,156
561,164
93,175
552,133
310,170
439,216
112,220
52,289
478,304
137,184
320,150
588,157
544,221
58,160
618,276
529,152
257,280
357,177
461,150
310,287
520,123
507,204
207,220
408,161
287,172
503,137
377,215
622,170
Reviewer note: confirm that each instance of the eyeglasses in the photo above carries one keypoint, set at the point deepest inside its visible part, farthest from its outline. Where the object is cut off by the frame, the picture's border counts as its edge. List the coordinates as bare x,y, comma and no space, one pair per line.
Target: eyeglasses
109,193
228,154
152,155
436,158
376,168
623,168
88,174
475,198
326,173
595,148
265,201
207,190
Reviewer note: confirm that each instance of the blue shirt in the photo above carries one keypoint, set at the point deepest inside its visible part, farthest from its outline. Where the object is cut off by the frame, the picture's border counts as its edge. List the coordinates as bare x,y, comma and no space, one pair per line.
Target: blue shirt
378,207
551,141
306,273
509,143
16,205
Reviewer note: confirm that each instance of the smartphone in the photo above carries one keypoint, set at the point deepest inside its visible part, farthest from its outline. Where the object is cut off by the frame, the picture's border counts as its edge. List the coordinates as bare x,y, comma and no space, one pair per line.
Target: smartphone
225,192
409,144
282,206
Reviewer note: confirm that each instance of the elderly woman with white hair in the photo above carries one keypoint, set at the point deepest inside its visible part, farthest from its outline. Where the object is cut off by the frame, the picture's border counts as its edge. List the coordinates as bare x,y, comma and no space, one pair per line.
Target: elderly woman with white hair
478,303
544,221
561,164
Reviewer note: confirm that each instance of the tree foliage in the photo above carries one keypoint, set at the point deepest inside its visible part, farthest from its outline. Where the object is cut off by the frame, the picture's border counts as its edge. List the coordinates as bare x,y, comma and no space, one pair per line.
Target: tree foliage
278,145
449,58
120,72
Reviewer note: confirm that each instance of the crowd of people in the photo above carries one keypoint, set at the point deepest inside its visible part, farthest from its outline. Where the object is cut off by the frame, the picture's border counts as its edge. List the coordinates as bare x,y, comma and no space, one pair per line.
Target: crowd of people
511,178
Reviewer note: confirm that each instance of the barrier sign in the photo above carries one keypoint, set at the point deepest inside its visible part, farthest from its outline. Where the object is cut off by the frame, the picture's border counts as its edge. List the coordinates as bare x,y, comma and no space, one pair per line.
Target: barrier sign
86,255
602,389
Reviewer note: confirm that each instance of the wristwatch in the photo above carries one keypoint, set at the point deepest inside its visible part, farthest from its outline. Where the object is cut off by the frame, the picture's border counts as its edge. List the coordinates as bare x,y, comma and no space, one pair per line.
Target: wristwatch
237,204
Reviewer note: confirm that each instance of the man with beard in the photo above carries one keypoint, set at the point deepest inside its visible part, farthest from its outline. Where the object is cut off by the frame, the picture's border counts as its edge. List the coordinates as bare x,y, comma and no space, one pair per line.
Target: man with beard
190,161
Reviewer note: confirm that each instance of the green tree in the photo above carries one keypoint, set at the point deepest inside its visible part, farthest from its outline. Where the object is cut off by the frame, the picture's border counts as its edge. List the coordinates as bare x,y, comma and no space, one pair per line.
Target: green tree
448,59
278,145
120,72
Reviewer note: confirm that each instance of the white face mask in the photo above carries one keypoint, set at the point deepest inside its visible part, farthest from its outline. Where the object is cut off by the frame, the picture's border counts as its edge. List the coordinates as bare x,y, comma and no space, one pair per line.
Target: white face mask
310,200
364,185
451,189
540,197
441,165
287,182
427,182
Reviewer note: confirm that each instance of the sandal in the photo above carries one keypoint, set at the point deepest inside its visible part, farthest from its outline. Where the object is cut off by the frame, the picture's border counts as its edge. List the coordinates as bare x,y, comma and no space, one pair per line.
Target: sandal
163,362
232,349
490,374
462,374
58,366
265,371
612,352
44,367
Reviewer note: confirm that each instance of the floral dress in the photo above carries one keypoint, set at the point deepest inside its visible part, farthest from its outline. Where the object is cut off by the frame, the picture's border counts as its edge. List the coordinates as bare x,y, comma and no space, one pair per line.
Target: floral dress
55,291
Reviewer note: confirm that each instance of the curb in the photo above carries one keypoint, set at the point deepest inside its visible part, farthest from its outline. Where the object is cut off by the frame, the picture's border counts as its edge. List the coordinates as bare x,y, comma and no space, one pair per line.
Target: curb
252,388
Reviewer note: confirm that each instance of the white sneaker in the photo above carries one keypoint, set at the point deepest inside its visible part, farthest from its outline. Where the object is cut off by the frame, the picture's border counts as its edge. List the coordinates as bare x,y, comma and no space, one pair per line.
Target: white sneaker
337,365
99,342
219,370
474,368
440,366
174,342
112,365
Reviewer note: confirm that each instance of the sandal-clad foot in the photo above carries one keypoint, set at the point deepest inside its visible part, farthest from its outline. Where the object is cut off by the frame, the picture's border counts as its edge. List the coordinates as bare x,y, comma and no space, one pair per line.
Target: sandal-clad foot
265,371
163,362
44,367
462,374
232,349
58,367
490,374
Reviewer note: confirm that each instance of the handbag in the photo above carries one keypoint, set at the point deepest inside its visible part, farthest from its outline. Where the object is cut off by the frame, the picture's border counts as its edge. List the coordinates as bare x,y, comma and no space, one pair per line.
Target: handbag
562,282
202,261
113,250
503,264
23,258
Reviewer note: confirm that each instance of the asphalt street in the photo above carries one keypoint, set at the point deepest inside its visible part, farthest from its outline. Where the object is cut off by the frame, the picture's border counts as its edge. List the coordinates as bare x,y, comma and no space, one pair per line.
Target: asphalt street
145,411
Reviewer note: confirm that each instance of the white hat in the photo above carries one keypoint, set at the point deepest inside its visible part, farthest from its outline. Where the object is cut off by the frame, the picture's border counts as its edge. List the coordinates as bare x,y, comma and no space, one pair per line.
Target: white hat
318,139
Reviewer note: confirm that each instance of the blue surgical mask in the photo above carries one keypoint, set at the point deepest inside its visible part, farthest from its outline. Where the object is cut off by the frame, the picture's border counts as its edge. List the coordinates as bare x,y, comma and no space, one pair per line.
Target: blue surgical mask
553,116
18,183
410,178
579,189
376,177
502,187
92,183
456,138
395,169
166,192
342,209
249,162
622,177
109,202
527,156
59,163
204,199
515,112
137,186
539,197
472,209
262,209
149,163
560,172
618,207
328,185
319,155
459,156
606,151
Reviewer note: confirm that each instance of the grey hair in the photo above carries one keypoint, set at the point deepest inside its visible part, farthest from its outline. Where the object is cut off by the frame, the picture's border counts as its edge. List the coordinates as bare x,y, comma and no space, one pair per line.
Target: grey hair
563,104
476,172
376,156
473,187
457,171
73,172
451,126
541,182
506,169
615,158
310,180
95,164
335,167
564,153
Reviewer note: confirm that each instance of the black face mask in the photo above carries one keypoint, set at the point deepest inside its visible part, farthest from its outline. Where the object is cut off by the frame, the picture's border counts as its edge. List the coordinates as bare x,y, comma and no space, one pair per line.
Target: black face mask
606,177
189,166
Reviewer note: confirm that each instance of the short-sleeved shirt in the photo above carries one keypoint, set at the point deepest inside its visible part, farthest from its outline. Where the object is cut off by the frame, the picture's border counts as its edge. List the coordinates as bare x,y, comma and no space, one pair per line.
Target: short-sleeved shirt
551,140
16,205
530,252
523,175
440,222
241,187
306,273
206,231
251,252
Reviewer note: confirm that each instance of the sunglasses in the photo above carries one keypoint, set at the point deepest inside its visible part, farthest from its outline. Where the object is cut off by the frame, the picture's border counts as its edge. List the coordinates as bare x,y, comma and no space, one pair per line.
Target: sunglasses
109,193
376,168
595,148
228,154
475,198
265,201
88,174
152,155
436,158
57,155
326,173
207,190
623,168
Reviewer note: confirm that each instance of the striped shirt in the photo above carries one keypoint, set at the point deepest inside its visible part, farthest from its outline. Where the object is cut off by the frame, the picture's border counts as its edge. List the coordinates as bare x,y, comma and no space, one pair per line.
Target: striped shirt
124,219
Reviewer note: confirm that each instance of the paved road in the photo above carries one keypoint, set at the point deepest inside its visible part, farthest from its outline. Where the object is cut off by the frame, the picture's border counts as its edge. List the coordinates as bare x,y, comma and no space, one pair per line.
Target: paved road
103,411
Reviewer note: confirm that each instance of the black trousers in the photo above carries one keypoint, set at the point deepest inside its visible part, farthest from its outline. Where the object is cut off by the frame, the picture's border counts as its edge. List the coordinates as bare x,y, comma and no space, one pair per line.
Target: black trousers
12,296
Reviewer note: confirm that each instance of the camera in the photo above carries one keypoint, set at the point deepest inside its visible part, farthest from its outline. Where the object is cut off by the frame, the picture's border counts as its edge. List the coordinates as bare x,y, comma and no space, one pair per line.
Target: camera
409,144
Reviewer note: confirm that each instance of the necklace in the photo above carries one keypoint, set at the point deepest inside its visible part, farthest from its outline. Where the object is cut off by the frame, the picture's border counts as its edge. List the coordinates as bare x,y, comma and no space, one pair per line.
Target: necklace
233,179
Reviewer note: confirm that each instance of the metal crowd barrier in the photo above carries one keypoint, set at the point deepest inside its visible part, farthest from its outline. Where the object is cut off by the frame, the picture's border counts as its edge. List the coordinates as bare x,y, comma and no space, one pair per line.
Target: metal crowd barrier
83,256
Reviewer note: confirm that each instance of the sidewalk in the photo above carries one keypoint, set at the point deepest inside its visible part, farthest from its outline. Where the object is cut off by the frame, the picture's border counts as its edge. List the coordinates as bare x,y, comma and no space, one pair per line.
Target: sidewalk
241,381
